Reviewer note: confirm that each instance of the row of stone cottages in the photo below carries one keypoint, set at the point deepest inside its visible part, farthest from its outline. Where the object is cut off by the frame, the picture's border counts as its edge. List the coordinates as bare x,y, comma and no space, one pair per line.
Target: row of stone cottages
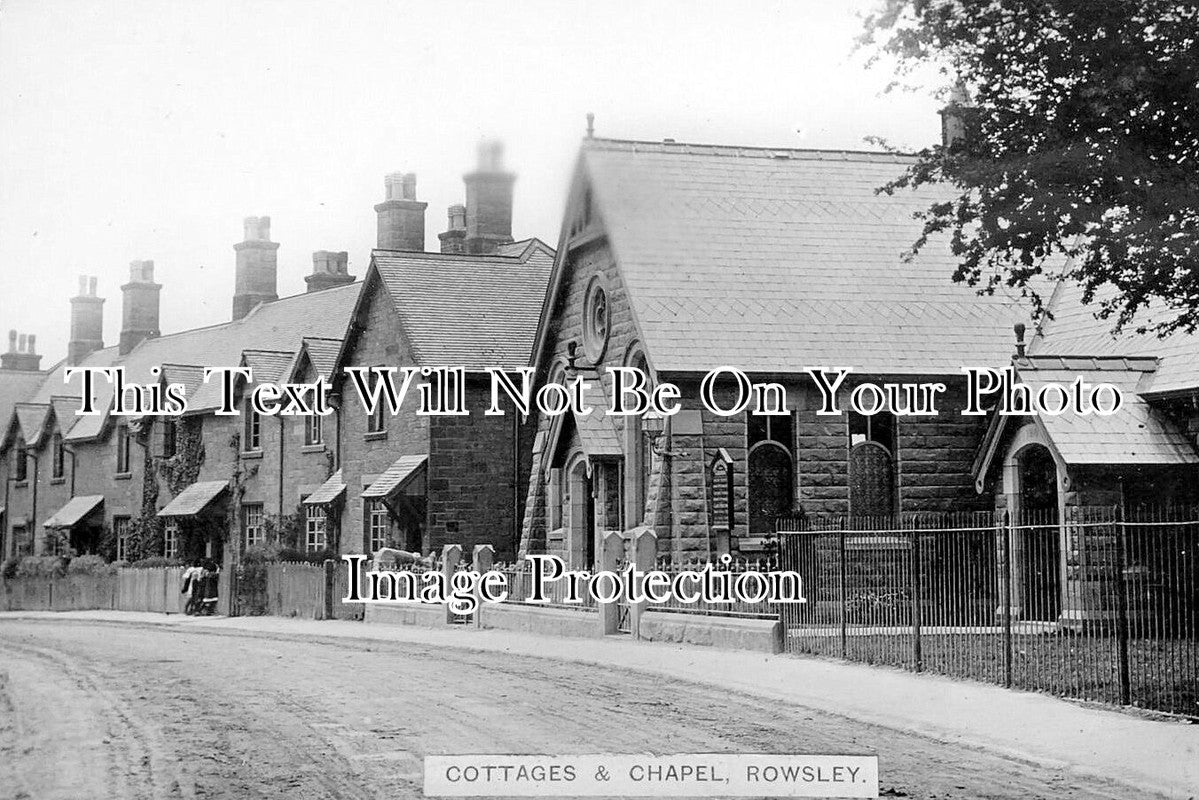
673,257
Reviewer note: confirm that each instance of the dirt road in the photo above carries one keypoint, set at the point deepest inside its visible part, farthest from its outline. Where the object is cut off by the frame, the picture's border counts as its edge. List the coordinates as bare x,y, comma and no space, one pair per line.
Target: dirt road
93,710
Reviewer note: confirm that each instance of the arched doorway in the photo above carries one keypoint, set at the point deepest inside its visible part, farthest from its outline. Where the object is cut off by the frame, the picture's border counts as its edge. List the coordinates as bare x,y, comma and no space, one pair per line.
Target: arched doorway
579,503
1040,548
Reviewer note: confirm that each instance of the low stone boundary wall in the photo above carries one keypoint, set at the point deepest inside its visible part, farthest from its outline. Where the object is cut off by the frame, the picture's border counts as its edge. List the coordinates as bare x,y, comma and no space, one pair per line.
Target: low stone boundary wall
764,635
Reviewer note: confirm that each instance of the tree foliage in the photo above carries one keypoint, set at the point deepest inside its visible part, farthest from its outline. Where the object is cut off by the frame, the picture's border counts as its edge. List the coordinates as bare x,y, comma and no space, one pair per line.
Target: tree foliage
1081,158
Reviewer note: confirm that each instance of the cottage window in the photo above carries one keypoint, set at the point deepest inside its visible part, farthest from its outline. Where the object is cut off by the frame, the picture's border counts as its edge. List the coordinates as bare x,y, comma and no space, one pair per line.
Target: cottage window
252,527
123,443
21,461
120,529
170,430
313,432
253,433
376,422
58,456
316,524
378,522
170,539
871,464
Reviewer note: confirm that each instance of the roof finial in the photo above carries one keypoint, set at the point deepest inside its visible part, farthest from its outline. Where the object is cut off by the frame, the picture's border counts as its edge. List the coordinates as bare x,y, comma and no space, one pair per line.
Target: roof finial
1019,329
590,125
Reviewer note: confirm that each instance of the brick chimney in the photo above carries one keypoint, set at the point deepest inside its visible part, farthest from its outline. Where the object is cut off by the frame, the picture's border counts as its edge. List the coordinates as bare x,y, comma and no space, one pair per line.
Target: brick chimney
958,118
329,269
401,216
139,311
453,240
257,267
488,201
21,353
87,322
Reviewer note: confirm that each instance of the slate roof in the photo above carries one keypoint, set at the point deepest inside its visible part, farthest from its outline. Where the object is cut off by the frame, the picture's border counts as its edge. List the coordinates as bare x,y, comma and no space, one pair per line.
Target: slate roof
328,491
1074,330
32,418
75,509
1137,433
323,354
275,326
194,499
17,386
776,260
396,476
467,311
269,366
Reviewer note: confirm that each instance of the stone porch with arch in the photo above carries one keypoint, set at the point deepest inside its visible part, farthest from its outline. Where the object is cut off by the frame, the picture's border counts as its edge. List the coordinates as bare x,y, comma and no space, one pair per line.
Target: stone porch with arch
1063,482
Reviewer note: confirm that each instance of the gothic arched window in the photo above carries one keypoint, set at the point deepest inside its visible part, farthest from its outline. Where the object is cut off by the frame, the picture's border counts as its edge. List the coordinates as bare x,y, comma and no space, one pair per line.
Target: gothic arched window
871,464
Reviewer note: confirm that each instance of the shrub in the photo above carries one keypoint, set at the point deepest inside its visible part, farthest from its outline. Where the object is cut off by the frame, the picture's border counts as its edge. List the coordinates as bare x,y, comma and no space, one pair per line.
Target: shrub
157,561
41,566
89,565
304,556
8,570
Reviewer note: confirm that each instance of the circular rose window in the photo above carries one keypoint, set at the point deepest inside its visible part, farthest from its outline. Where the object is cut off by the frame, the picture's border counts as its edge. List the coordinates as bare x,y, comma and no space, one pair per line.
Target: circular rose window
597,321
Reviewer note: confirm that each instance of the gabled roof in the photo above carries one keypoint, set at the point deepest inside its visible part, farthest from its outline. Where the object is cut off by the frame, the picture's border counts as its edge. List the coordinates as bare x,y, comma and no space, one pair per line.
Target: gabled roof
776,260
17,386
1138,433
268,366
322,354
32,418
469,311
1074,330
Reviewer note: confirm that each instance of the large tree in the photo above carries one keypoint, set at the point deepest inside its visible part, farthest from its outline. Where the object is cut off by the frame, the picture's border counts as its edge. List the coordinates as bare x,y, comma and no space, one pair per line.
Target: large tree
1081,153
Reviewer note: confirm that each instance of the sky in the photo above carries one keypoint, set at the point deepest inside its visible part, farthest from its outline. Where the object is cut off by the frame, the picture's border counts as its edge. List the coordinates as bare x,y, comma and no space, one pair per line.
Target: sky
146,130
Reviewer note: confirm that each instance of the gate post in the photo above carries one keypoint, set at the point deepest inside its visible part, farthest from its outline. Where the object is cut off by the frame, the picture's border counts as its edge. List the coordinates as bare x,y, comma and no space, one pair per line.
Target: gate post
330,586
481,561
645,555
451,554
611,551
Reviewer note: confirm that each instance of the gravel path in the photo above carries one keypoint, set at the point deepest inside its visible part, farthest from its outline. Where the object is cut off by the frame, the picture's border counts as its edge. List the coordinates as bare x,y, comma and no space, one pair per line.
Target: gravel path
117,711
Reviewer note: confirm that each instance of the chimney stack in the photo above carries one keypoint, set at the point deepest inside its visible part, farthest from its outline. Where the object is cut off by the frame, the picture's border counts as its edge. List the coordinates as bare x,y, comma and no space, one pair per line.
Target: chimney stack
139,311
488,201
87,322
21,353
257,267
958,119
401,216
329,269
453,240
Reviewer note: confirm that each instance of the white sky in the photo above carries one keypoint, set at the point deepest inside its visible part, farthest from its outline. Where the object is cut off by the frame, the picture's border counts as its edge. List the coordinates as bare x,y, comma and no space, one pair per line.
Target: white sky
148,130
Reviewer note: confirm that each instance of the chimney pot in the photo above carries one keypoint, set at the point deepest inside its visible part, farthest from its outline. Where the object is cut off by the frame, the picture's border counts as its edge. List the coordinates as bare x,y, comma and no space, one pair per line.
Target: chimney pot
12,340
21,344
32,341
82,285
91,286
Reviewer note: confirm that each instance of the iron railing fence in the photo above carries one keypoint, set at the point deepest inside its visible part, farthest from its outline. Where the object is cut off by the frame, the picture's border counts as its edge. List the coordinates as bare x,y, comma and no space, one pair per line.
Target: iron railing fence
1100,604
519,576
674,605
